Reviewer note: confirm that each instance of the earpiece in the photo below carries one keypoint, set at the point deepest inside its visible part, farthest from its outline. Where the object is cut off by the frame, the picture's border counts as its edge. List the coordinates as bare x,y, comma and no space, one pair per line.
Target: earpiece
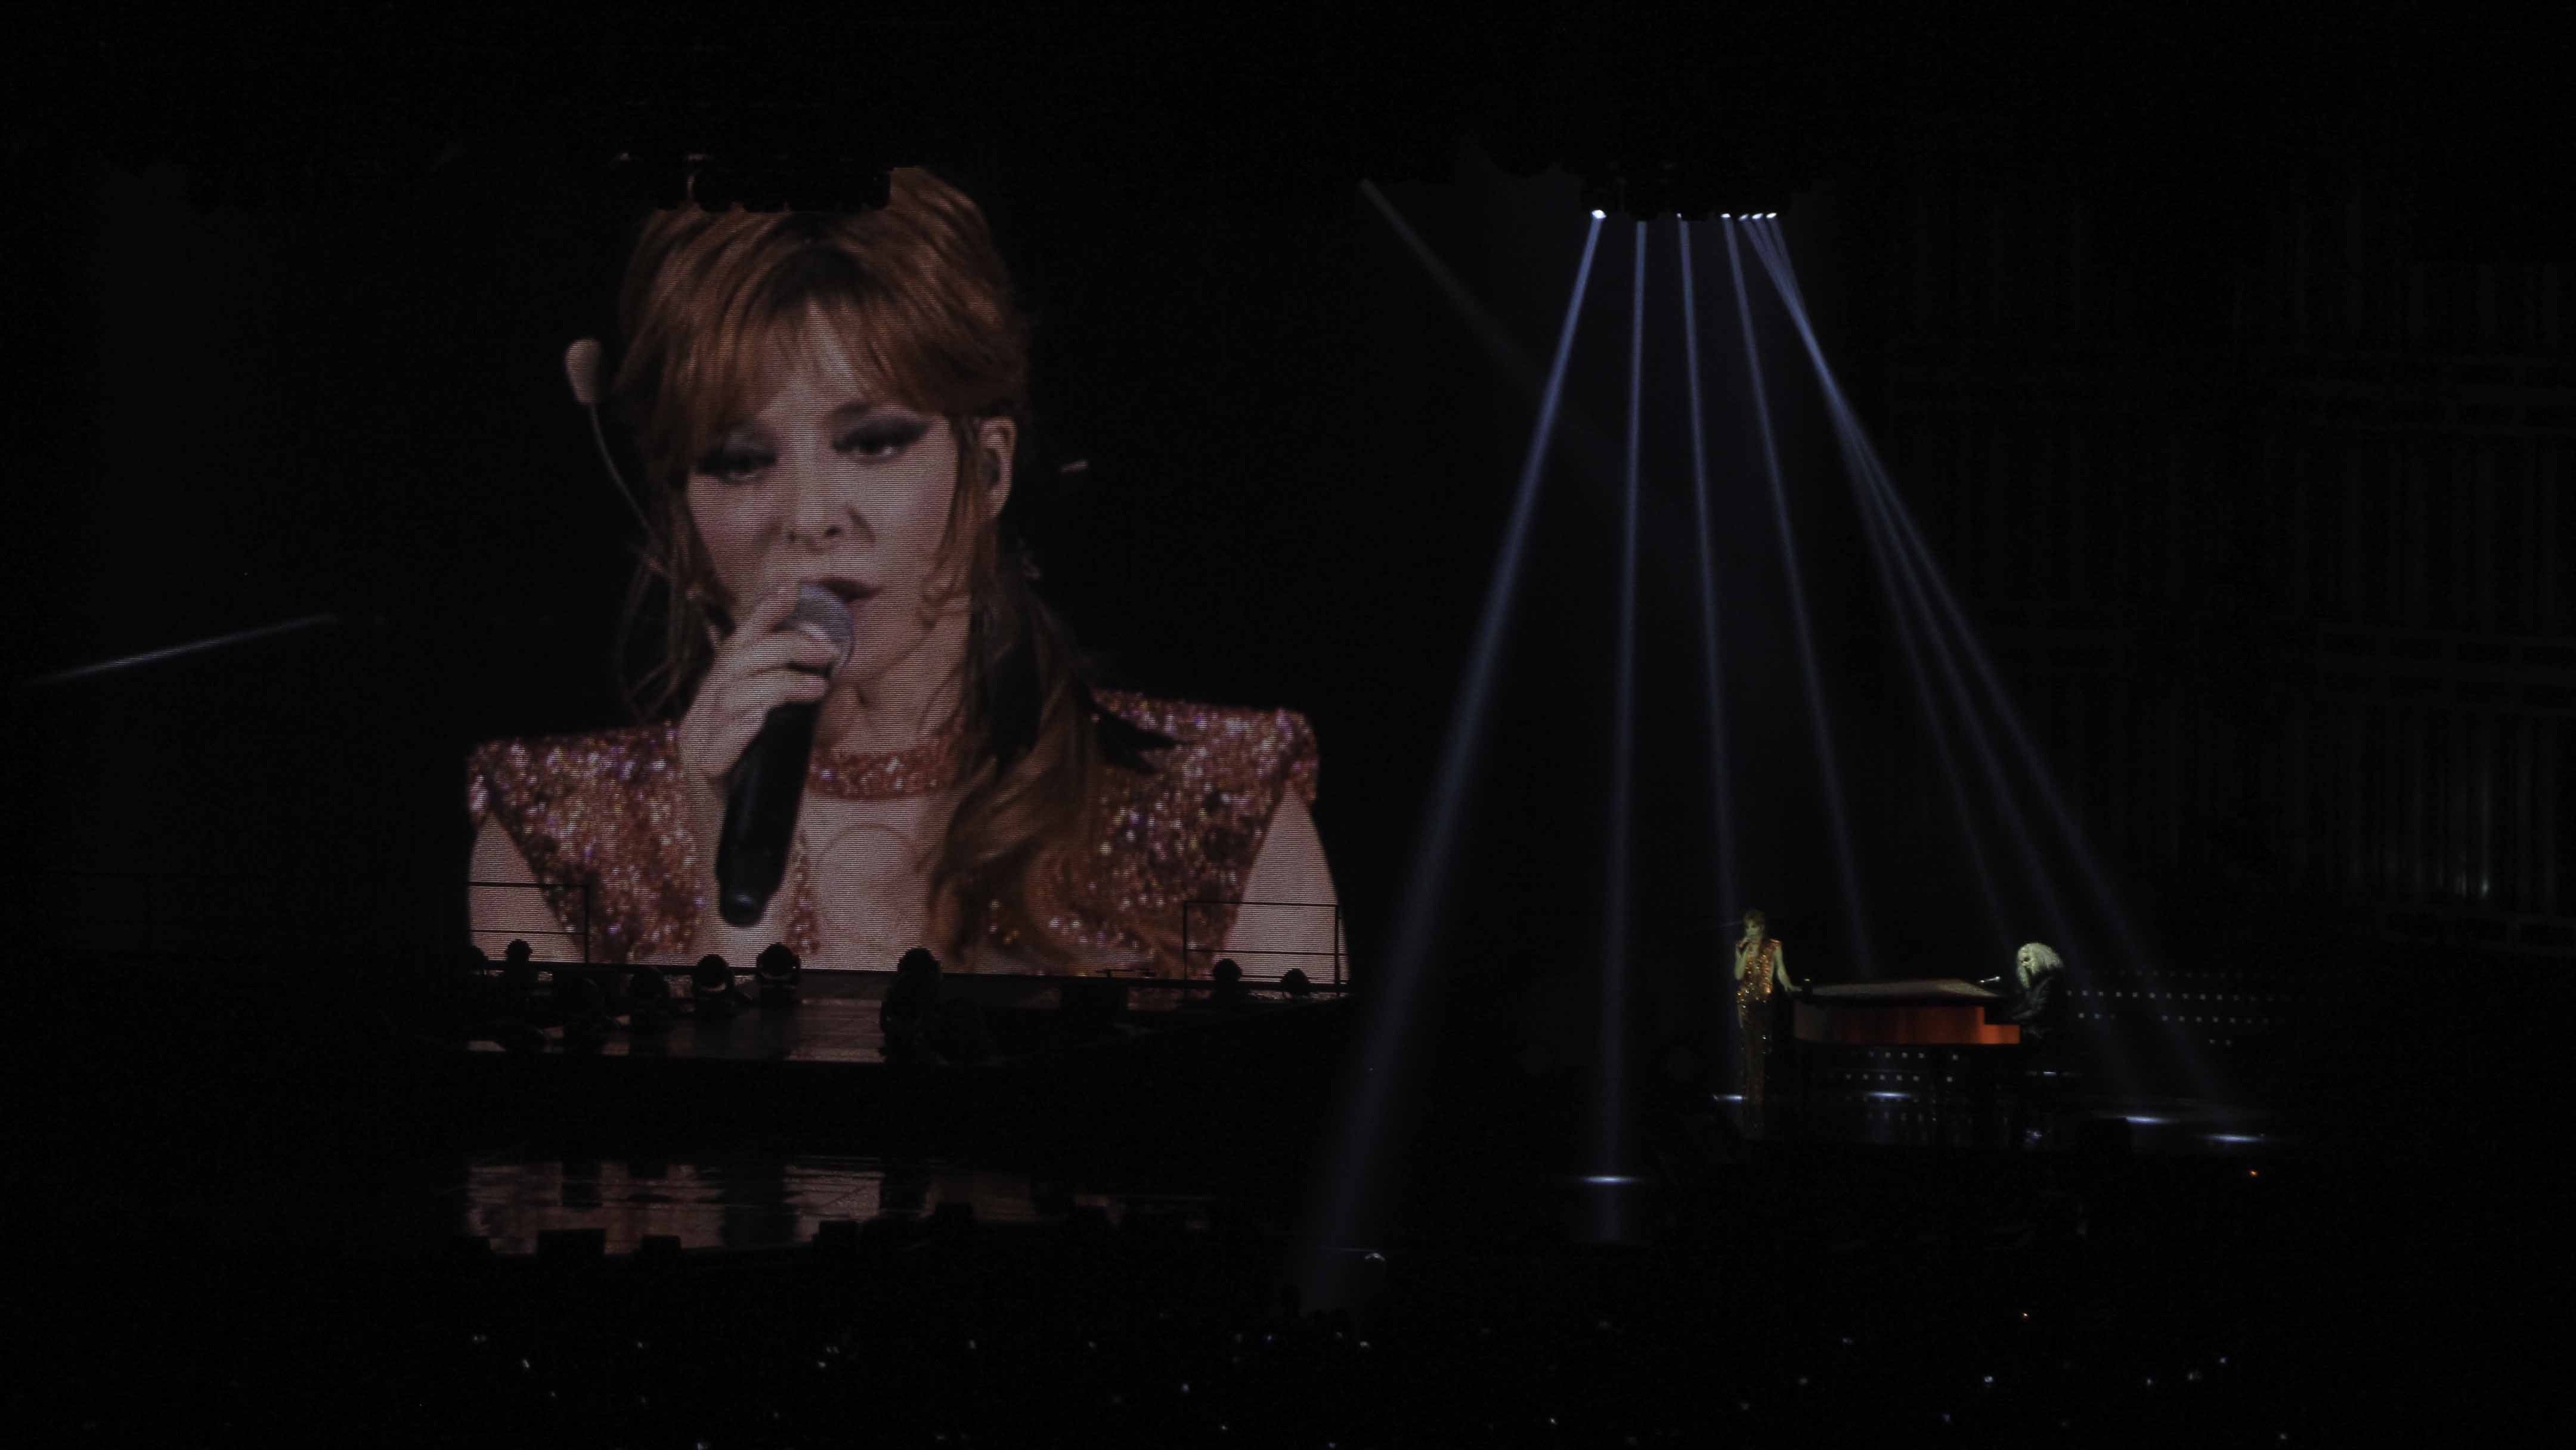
581,367
581,370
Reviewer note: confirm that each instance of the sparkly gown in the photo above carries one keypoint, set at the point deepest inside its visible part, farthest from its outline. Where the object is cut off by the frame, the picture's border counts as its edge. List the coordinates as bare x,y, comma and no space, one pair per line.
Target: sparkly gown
602,814
1753,1014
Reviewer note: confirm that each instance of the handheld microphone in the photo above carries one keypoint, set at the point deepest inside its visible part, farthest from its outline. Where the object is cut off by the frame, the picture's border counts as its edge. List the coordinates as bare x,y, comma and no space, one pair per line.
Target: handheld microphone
768,782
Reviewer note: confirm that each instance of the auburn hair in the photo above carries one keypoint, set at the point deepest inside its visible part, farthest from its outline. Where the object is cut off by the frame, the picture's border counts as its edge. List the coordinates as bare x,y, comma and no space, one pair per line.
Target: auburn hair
919,294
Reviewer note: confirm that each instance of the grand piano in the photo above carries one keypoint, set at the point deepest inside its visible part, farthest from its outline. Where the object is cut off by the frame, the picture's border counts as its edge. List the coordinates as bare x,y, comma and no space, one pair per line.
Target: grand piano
1929,1012
1943,1016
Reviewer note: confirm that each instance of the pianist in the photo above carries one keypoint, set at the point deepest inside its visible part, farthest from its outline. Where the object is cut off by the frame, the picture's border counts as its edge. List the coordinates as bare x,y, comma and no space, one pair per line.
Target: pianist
2036,988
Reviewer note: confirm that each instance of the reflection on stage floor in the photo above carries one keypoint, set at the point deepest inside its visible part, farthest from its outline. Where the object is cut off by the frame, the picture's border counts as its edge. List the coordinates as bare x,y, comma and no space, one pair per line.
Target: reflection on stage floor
750,1201
1906,1117
834,1016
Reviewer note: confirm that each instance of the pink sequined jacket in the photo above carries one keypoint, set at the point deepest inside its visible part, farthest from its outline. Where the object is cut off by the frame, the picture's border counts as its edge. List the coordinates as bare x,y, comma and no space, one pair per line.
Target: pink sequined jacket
603,811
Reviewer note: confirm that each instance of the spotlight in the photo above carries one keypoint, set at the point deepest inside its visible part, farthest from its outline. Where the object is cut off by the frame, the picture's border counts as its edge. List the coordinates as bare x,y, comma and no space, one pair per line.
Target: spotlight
711,988
1598,214
649,999
778,970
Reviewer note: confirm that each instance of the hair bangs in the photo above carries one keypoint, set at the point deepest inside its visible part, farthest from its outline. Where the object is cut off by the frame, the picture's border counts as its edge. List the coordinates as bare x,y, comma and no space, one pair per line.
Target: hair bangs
811,306
914,298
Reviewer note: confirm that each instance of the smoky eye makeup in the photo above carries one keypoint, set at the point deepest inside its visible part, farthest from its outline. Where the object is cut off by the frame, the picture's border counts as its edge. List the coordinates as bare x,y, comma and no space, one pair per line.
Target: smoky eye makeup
732,461
727,462
887,434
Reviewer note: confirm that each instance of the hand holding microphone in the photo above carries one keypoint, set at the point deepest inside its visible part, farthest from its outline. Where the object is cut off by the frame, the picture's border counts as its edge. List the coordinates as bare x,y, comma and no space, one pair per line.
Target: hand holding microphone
748,736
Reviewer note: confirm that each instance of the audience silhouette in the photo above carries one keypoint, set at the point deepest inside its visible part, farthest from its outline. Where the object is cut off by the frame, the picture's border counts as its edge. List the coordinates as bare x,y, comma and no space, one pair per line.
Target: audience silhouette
923,1024
905,1013
519,969
1229,990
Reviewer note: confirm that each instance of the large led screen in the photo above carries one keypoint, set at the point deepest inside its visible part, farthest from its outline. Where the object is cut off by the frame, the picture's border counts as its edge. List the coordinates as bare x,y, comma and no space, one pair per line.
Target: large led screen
824,417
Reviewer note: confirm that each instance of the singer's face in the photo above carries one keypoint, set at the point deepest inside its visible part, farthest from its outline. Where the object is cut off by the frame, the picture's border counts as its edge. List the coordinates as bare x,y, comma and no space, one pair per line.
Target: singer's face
833,482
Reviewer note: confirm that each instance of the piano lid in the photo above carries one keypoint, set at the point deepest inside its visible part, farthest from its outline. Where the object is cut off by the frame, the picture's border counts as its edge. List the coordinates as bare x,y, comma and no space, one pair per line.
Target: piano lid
1925,989
1933,1012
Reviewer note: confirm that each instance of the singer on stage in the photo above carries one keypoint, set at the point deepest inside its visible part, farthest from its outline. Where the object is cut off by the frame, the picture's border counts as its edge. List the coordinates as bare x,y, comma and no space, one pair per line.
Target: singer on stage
1761,970
837,402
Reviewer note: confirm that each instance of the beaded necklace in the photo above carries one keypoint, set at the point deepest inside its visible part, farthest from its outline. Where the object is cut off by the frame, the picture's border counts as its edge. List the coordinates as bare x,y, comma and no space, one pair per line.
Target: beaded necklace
879,775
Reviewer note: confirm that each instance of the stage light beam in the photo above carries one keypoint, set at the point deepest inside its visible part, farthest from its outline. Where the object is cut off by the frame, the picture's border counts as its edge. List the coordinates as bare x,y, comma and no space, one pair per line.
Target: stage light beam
1881,549
1871,474
1884,552
1507,353
1623,750
1349,1161
1922,574
1729,894
176,651
1860,460
1845,866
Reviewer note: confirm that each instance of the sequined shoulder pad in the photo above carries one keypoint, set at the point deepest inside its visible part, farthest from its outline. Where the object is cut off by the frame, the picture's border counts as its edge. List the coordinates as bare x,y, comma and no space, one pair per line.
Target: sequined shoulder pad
1191,829
600,813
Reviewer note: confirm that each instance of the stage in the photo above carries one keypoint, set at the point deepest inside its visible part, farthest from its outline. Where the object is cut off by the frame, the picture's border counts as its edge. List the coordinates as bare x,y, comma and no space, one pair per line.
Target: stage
835,1016
775,1163
754,1126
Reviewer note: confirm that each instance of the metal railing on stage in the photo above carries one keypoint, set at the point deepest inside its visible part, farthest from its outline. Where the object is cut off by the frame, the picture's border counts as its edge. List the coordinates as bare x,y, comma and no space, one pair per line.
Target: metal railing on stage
476,928
1190,966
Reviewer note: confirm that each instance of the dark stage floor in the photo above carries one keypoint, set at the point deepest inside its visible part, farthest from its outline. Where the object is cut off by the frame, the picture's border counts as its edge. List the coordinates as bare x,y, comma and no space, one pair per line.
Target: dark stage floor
732,1198
767,1188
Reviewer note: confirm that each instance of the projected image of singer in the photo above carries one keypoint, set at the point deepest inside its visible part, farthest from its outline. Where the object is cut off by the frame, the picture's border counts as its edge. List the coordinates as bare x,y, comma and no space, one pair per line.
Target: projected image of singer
830,407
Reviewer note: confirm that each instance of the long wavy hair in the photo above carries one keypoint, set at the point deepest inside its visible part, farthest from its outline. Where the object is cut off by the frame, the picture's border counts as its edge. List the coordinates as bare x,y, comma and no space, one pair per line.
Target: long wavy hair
920,295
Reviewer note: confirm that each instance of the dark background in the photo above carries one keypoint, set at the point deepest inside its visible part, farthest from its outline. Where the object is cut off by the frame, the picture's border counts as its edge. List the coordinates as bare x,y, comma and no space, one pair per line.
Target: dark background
293,302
